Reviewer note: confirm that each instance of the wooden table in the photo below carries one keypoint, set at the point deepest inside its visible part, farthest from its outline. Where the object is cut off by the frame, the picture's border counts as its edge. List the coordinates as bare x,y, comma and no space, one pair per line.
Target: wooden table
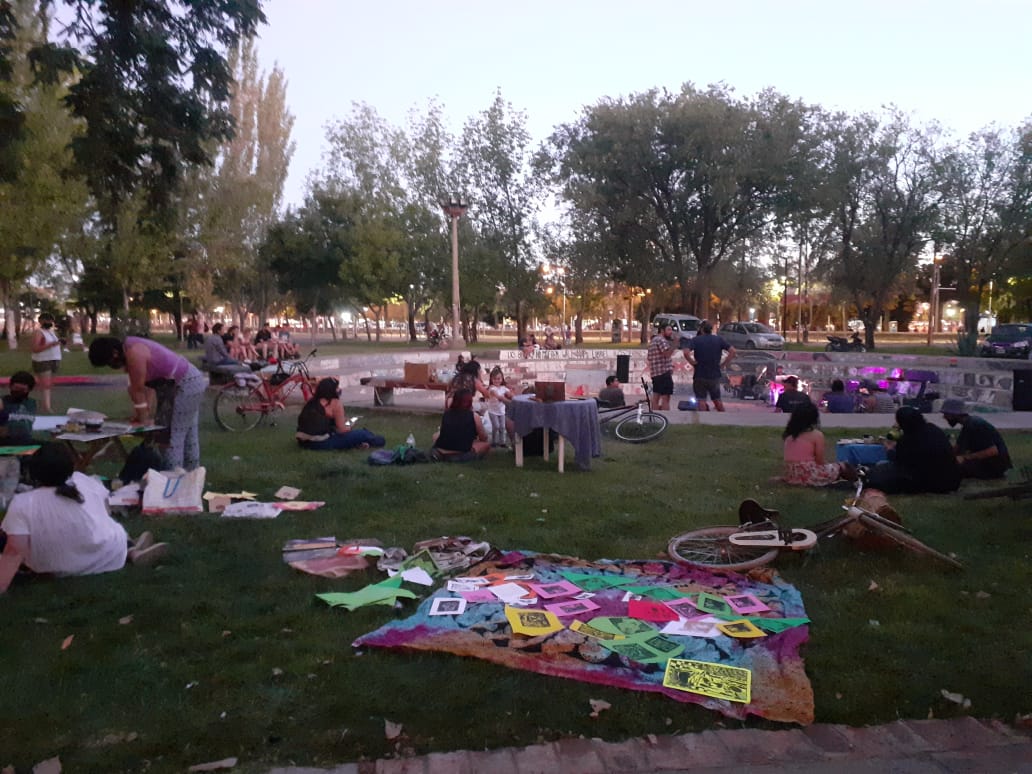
383,389
85,446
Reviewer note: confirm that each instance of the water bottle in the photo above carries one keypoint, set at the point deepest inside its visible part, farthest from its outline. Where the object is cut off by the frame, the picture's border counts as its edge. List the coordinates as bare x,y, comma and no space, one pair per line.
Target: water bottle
410,441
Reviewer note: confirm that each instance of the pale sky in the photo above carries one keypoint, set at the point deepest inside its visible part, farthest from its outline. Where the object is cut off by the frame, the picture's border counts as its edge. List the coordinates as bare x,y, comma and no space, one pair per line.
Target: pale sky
961,62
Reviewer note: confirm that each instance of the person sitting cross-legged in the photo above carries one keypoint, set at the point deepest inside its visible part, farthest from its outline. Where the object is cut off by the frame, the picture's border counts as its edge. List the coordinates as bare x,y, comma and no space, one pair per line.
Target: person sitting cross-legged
462,437
322,424
63,527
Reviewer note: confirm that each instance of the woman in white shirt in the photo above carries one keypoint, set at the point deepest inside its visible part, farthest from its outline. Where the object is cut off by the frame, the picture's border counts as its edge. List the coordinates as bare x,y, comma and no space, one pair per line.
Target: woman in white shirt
63,527
46,357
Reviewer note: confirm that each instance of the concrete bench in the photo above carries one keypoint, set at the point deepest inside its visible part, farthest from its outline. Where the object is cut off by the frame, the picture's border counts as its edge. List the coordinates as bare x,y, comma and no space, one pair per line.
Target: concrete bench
383,389
222,374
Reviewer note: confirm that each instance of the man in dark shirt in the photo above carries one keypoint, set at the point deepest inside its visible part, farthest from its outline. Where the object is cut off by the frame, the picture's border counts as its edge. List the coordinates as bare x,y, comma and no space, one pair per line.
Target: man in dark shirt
922,460
980,449
612,395
791,398
704,353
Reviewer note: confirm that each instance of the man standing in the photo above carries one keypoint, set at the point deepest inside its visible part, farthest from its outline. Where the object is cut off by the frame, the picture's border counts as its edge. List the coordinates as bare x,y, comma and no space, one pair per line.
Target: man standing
704,354
661,349
980,449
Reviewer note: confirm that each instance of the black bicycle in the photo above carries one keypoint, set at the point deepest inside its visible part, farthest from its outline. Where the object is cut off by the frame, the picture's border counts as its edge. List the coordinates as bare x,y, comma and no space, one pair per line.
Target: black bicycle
638,423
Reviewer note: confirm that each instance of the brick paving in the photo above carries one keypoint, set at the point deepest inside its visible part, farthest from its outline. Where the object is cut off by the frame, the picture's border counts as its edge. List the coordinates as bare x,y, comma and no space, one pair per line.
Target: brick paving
956,746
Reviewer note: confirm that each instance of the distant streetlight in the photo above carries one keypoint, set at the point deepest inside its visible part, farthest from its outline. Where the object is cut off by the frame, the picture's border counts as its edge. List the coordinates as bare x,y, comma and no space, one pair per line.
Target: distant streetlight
455,207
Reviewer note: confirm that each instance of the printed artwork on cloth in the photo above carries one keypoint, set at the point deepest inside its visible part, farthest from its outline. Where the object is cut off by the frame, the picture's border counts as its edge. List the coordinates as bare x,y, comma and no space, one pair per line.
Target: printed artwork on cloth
584,645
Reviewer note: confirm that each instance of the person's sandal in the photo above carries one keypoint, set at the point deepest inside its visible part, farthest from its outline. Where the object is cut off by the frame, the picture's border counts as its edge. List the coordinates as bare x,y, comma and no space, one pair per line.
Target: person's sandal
145,540
146,557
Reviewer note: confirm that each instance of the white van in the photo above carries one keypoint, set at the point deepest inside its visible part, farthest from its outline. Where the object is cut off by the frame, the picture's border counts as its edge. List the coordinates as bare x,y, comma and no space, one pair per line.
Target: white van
685,325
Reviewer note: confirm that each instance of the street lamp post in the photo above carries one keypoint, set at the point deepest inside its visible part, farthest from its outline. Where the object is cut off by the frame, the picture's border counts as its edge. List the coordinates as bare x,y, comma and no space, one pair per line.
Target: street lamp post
454,207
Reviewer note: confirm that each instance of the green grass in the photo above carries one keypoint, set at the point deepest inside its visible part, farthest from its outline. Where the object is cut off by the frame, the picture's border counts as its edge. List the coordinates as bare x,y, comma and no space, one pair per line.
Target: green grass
195,675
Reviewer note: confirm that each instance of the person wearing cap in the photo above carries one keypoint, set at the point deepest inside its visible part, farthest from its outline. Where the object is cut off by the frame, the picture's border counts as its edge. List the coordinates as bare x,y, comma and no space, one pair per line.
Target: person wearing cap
980,449
922,460
46,357
791,397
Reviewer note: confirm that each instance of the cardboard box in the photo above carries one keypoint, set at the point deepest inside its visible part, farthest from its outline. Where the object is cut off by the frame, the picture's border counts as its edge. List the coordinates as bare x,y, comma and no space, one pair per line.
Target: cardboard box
418,373
550,392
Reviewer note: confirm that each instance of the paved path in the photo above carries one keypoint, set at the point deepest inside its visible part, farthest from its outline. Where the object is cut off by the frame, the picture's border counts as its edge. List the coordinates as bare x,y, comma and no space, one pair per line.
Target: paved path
909,747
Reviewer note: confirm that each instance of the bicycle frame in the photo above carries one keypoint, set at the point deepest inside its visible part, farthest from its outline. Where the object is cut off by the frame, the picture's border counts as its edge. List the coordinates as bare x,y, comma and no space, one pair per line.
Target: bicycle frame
259,396
608,414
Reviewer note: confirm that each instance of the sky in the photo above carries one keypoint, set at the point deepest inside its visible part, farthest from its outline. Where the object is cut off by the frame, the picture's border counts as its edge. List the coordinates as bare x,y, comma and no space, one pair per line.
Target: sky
961,63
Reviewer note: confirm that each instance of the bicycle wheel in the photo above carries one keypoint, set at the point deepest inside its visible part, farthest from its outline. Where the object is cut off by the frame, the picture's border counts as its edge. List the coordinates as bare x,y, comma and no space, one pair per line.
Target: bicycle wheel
710,547
635,429
880,526
238,408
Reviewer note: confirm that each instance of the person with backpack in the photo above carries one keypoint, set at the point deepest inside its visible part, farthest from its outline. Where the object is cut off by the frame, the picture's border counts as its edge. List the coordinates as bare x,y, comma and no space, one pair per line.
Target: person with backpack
322,424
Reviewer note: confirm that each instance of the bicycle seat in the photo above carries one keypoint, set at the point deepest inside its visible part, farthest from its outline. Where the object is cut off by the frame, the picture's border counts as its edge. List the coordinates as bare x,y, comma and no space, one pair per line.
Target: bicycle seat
751,512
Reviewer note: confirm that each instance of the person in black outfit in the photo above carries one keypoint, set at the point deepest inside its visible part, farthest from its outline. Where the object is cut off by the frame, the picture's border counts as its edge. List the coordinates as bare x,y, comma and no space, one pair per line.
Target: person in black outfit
462,437
922,460
981,451
791,398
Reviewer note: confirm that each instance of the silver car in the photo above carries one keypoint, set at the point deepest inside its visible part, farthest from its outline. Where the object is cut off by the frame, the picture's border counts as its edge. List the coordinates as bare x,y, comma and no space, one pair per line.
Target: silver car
751,335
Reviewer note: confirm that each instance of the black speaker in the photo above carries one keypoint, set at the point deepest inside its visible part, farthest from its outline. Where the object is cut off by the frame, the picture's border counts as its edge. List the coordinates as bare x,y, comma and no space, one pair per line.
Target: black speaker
1022,390
623,368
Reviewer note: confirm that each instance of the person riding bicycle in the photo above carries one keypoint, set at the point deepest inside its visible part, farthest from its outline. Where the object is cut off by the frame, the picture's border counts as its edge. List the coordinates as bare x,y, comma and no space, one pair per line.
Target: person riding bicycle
323,426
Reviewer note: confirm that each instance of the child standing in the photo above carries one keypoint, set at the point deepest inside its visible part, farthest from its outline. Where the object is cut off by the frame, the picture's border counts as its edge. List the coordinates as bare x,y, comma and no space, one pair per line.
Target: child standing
497,396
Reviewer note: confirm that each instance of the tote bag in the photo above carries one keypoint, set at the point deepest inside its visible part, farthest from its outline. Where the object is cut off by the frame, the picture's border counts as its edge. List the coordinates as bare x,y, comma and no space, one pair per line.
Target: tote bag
173,491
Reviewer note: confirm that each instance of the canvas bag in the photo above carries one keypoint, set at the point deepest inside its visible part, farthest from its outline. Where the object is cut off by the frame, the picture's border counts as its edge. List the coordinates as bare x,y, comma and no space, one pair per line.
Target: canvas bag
173,491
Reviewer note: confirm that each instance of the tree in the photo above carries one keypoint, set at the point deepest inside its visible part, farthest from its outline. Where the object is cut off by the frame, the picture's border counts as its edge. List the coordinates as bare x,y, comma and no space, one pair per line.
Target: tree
153,93
232,206
885,182
987,206
40,201
492,168
682,179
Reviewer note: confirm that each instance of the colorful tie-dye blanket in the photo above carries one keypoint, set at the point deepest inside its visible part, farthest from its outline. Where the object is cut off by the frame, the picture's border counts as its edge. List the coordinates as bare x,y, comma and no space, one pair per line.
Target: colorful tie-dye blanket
780,689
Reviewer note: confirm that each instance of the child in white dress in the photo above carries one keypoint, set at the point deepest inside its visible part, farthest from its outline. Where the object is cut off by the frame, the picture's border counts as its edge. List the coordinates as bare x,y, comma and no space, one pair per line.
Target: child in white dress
497,396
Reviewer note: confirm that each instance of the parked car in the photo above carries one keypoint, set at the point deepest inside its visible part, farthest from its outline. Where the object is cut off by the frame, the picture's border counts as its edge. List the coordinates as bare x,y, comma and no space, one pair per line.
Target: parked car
685,325
751,335
1008,340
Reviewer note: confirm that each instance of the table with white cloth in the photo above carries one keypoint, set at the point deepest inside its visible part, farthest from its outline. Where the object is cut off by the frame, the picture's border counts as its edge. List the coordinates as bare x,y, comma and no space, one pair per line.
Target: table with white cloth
574,420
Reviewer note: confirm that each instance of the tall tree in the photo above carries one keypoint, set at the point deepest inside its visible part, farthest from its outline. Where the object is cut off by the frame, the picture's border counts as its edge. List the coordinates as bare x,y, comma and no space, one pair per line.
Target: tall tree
40,201
684,179
886,181
987,212
154,92
493,168
234,204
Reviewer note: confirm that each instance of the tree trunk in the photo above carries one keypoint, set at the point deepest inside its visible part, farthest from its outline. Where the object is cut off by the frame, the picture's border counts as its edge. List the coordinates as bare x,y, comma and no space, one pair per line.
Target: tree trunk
10,318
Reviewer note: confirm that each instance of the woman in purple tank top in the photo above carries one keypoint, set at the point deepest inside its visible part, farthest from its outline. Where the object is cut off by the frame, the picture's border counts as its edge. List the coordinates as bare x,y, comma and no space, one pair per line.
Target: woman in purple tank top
177,385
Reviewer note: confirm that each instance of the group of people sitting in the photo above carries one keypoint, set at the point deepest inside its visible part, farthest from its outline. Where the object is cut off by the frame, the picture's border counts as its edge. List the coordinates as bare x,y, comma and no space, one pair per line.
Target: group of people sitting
919,455
323,424
234,346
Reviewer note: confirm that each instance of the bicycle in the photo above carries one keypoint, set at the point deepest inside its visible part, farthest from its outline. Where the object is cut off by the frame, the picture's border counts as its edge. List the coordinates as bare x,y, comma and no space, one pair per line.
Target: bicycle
759,538
643,424
246,401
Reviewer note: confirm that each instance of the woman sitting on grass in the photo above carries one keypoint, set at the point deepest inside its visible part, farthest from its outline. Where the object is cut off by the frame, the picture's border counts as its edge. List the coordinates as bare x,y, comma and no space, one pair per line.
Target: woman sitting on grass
462,437
322,424
804,451
63,526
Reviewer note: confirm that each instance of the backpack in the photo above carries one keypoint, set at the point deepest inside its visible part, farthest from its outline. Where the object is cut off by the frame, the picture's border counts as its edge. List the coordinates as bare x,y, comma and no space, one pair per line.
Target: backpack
401,455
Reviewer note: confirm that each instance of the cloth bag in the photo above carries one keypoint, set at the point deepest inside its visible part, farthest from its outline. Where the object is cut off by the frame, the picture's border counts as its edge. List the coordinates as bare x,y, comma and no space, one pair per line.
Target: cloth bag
173,491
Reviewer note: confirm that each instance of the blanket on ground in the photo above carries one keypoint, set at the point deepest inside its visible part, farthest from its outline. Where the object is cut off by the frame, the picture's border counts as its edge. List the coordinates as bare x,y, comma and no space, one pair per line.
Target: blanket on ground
781,690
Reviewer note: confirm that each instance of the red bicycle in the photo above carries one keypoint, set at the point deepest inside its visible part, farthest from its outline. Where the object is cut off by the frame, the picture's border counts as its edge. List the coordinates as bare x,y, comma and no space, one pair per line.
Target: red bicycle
246,401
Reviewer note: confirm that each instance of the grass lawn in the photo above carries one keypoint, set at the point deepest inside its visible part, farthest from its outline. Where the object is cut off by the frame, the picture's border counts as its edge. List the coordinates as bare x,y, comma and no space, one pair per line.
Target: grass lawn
228,653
